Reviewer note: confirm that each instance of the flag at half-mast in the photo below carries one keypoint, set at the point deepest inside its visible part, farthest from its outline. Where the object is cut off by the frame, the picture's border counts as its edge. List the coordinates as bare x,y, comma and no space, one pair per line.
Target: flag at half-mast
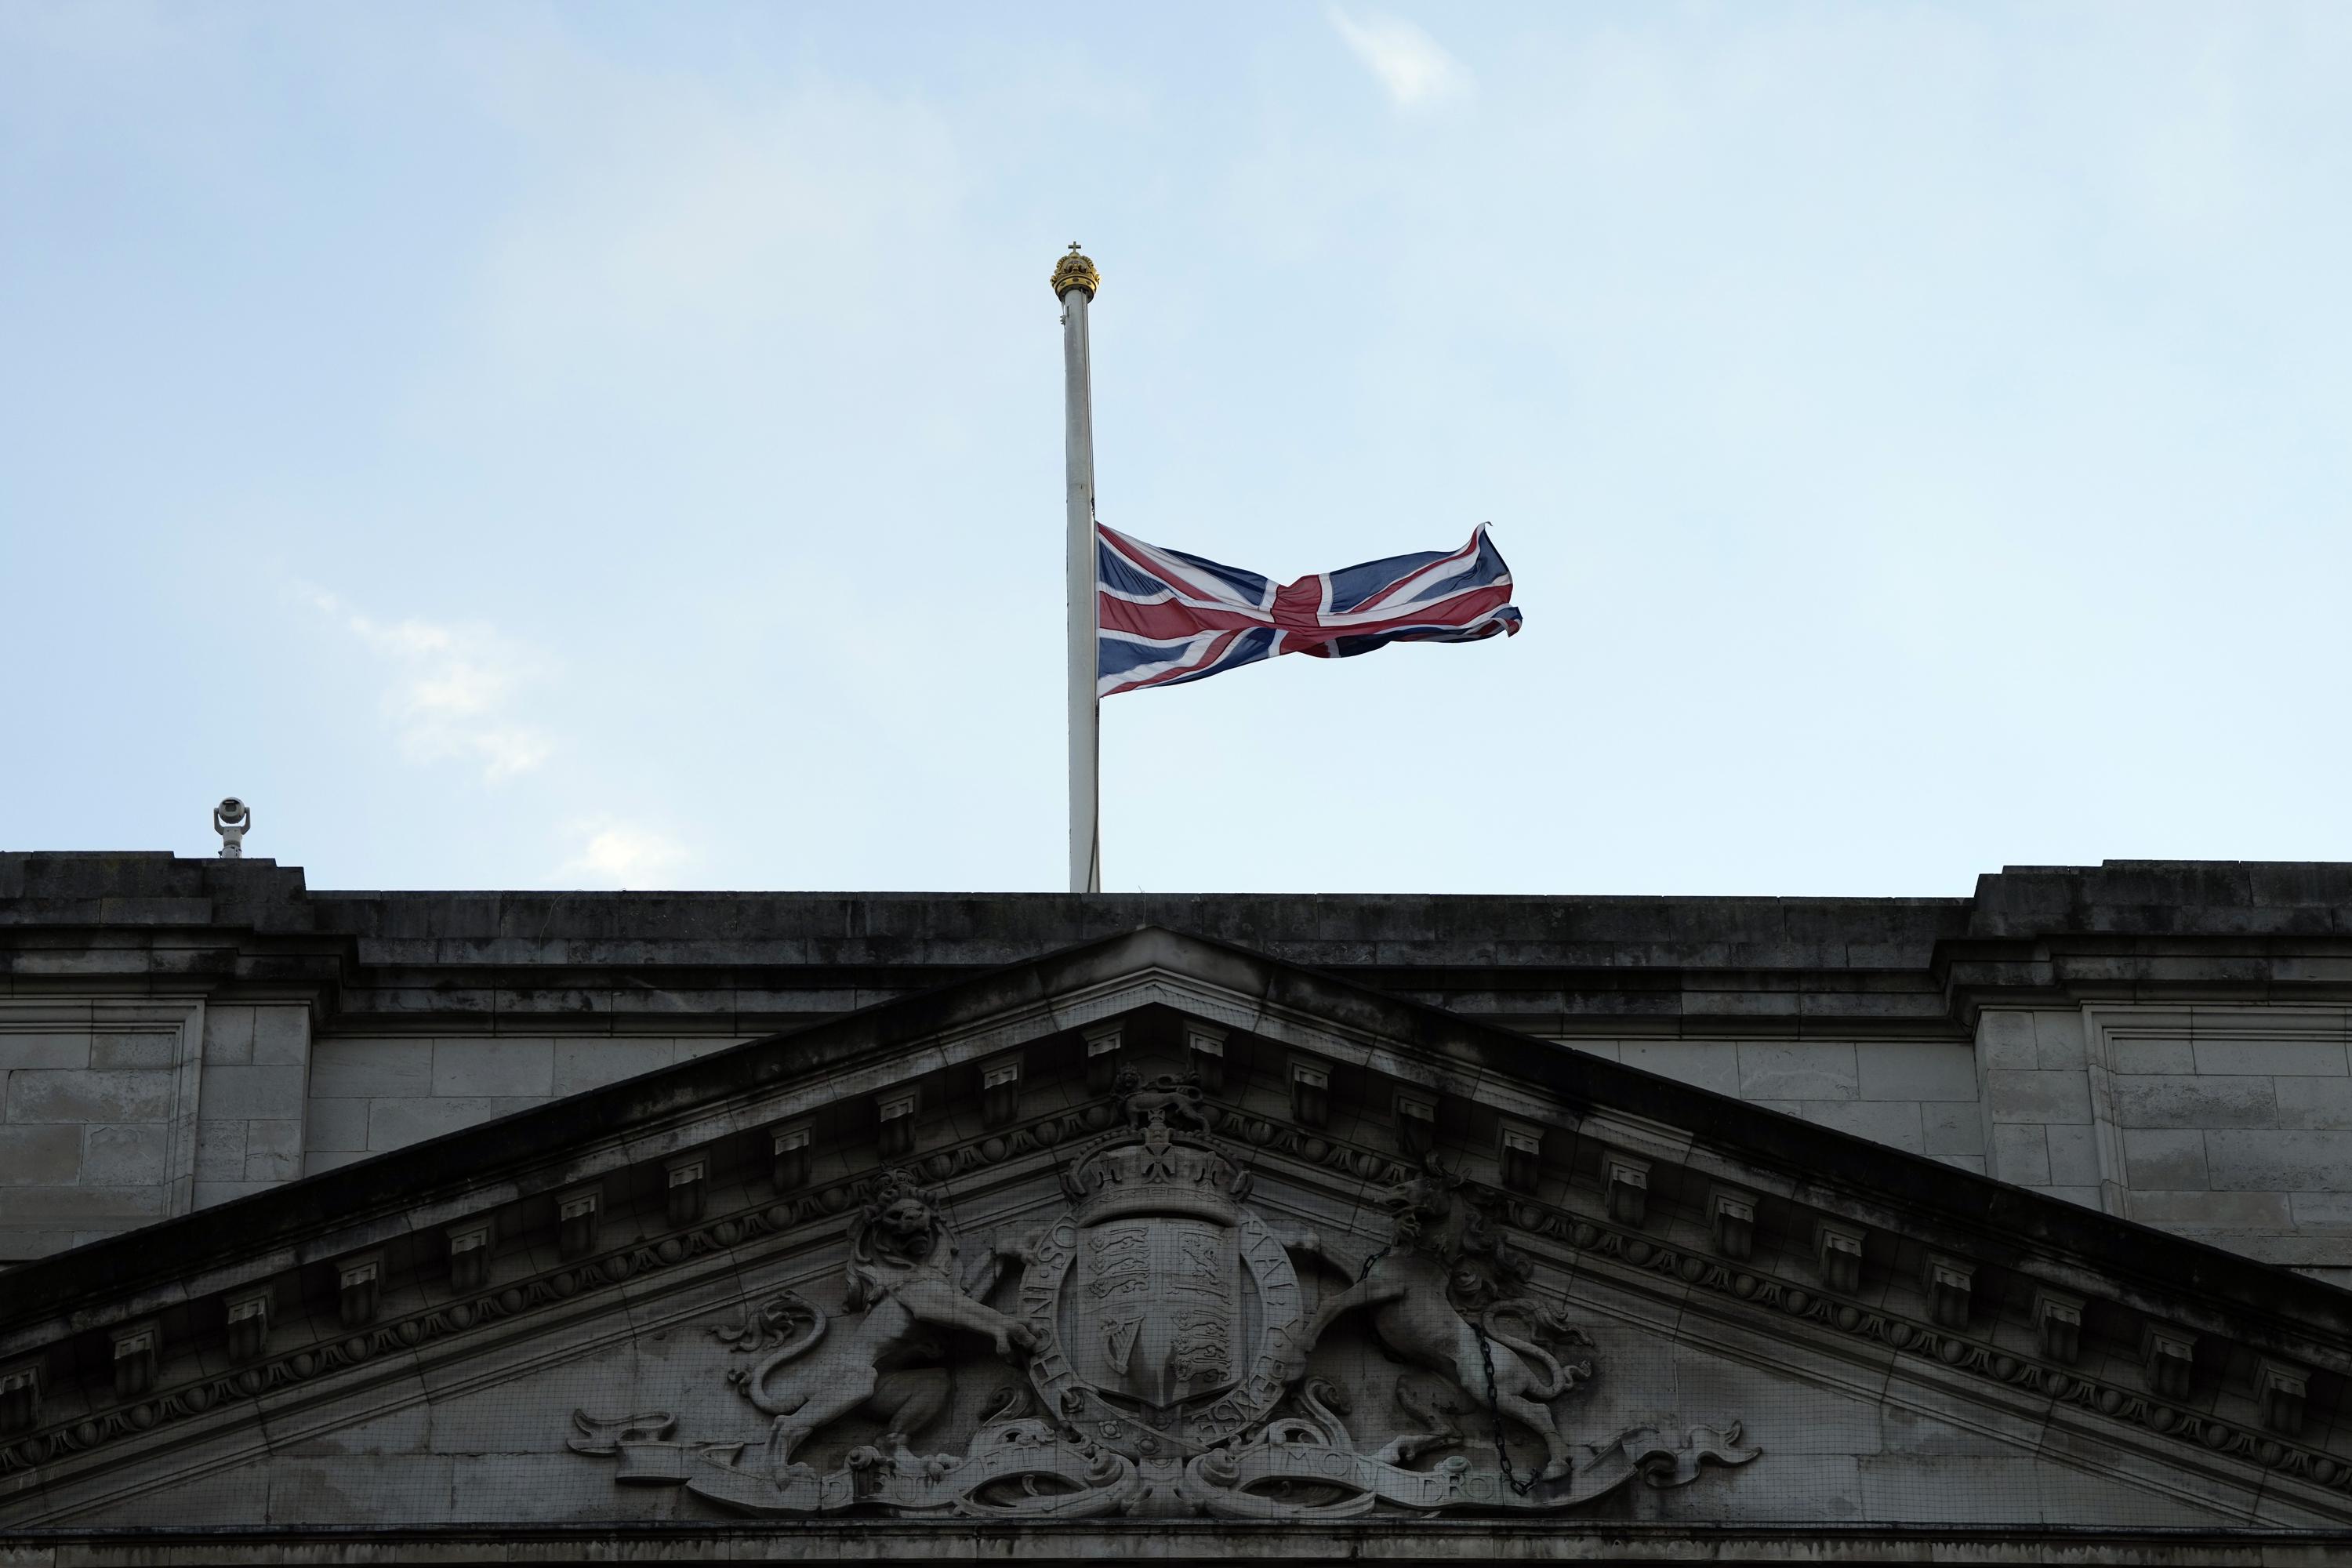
1163,617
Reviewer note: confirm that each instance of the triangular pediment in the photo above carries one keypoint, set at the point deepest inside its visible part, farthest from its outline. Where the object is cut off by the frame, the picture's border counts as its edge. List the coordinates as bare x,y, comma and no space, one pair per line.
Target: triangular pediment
1159,1230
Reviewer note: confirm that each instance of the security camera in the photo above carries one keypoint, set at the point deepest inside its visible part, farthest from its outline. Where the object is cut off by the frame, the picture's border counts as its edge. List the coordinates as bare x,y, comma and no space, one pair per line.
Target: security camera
232,818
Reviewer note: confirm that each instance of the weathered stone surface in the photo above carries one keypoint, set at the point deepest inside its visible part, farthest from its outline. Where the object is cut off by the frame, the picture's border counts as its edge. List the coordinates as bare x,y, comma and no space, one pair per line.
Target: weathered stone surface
1709,1064
281,1036
1895,1123
590,1064
2214,1210
2175,1057
1916,1069
2022,1154
2005,1039
80,1206
2165,1160
342,1068
1798,1072
2165,1102
336,1124
2074,1156
396,1123
270,1092
228,1035
2279,1057
2058,1042
121,1156
2314,1103
89,1095
2246,1160
151,1048
45,1051
495,1067
2061,1098
273,1151
2328,1209
220,1151
38,1154
1952,1129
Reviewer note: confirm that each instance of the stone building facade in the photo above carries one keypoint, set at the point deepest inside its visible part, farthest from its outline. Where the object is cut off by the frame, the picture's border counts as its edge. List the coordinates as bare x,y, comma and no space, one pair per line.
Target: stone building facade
510,1226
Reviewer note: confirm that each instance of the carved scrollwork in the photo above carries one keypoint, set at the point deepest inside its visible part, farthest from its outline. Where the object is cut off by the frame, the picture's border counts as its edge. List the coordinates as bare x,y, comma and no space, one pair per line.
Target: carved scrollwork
1293,1479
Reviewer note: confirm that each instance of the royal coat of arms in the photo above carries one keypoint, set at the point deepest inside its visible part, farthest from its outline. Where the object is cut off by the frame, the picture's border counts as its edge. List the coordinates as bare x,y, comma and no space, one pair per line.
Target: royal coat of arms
1162,1326
1164,1317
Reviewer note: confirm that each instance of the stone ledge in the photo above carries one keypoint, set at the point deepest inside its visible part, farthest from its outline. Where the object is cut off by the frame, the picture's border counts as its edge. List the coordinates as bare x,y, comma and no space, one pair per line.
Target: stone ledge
1049,1542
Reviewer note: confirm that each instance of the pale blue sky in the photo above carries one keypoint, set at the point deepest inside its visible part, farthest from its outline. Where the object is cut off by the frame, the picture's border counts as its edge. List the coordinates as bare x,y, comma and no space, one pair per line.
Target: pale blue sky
525,446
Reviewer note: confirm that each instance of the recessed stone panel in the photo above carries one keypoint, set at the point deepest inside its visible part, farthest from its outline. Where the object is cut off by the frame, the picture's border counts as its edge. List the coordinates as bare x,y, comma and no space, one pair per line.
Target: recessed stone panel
2165,1159
2281,1057
2279,1161
45,1095
37,1050
146,1049
2167,1101
2154,1056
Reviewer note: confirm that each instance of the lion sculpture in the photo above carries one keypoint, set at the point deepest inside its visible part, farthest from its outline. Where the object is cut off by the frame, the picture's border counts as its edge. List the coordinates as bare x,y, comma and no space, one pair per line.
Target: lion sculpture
1423,1292
903,1283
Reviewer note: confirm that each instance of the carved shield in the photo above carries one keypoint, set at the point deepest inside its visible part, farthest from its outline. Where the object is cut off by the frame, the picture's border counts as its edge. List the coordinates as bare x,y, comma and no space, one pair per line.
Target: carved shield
1153,1309
1165,1315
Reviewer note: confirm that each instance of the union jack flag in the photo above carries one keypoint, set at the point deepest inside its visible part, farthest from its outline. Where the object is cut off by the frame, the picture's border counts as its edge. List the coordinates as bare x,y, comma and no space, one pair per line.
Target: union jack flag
1163,617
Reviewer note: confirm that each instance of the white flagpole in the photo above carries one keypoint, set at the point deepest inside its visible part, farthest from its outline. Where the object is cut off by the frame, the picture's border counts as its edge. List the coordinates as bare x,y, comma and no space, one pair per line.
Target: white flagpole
1075,282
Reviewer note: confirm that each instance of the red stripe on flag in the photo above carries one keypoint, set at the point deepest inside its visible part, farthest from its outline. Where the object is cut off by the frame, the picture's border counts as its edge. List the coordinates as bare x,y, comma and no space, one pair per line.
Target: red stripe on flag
1167,621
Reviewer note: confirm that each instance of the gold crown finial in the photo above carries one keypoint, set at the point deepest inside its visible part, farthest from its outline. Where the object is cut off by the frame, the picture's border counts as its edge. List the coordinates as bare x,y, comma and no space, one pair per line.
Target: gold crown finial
1075,271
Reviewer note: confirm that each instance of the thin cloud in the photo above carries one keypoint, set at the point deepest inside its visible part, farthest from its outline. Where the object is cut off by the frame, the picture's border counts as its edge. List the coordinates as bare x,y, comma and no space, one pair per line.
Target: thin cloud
623,853
1414,69
452,690
667,219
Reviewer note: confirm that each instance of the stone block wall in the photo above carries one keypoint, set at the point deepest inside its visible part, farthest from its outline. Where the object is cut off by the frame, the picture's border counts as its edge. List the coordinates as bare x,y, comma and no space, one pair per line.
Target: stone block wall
98,1128
249,1099
2035,1078
2235,1124
1918,1096
368,1093
2230,1123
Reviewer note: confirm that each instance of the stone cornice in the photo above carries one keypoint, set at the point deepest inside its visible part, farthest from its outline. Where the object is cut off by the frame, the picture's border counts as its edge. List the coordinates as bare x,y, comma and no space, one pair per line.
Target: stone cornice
613,962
